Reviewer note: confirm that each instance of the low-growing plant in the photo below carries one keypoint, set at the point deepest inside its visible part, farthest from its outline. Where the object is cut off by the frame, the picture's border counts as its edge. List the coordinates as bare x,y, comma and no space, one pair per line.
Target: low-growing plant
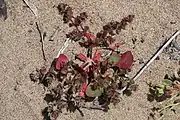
167,92
97,78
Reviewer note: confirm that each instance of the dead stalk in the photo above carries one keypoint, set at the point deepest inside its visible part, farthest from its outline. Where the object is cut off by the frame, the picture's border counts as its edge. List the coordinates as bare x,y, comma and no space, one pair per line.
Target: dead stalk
41,40
32,7
66,44
156,54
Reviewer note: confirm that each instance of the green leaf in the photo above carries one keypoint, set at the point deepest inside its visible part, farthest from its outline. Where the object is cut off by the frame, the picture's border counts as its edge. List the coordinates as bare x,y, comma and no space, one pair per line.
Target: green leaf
82,81
168,87
160,91
94,93
160,85
102,90
114,59
167,82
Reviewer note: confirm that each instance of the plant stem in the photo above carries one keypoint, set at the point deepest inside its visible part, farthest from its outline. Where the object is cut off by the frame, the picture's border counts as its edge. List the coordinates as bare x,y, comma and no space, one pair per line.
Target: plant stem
66,44
170,105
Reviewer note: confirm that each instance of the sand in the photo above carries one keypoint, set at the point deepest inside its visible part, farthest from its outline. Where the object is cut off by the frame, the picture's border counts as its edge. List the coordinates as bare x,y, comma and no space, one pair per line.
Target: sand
20,52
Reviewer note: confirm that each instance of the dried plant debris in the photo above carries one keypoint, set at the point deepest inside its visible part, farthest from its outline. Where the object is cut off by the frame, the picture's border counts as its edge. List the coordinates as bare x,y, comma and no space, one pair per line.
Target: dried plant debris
174,49
167,92
162,110
32,7
97,79
3,10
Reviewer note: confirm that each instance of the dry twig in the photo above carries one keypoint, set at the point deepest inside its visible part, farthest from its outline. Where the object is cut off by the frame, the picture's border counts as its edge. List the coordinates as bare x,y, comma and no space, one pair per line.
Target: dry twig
66,44
41,40
156,54
32,7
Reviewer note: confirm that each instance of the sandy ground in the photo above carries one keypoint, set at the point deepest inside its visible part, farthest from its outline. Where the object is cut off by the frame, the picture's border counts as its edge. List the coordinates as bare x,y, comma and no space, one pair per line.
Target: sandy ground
20,52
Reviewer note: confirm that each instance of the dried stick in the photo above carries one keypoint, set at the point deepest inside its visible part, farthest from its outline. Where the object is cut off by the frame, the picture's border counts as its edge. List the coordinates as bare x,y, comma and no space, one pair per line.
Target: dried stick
66,44
32,7
41,40
156,54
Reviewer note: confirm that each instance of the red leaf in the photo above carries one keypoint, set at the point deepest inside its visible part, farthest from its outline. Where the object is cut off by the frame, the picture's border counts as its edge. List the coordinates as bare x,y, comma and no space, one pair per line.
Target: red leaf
83,89
89,36
62,59
118,44
81,56
125,61
96,57
110,39
168,92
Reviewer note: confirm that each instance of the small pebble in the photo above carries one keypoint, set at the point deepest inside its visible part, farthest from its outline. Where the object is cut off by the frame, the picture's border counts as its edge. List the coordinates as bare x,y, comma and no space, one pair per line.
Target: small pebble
134,40
157,58
141,61
173,22
142,40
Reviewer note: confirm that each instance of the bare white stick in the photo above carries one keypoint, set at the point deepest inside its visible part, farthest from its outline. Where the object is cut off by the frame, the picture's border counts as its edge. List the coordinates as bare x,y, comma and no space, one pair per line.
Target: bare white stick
32,7
122,90
66,44
156,54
